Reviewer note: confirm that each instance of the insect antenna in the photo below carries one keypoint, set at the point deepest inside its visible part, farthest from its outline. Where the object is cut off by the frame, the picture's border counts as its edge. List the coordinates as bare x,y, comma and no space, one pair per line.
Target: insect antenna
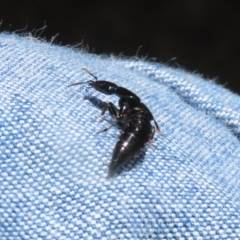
89,81
86,70
77,83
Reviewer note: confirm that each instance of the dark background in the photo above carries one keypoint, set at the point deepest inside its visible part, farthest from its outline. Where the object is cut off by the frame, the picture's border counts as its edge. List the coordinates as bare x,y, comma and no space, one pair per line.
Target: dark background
203,35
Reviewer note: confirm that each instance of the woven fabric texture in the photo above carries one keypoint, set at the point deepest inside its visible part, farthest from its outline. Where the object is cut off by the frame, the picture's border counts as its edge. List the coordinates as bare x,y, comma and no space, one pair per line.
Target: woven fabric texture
53,165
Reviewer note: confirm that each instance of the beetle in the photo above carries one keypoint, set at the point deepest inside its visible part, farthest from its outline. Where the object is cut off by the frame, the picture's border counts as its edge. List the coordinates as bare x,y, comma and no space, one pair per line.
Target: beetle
133,118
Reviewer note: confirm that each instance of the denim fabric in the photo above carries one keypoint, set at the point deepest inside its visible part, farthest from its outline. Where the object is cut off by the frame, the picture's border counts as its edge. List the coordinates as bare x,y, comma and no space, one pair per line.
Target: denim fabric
53,165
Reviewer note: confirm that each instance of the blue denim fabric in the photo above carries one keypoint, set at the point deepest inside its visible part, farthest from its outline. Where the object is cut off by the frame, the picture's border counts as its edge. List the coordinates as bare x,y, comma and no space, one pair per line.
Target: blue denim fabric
53,165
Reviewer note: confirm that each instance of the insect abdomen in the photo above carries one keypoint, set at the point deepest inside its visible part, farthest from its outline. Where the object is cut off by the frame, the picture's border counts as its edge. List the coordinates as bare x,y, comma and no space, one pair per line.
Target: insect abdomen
130,143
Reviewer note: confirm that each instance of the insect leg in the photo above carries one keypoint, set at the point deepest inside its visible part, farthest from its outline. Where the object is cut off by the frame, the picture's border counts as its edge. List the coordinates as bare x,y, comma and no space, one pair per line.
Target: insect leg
105,129
114,112
104,109
157,127
153,133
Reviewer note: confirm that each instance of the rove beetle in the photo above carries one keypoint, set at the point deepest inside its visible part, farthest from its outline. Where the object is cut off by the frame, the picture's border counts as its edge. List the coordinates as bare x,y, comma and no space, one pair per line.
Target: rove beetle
133,118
